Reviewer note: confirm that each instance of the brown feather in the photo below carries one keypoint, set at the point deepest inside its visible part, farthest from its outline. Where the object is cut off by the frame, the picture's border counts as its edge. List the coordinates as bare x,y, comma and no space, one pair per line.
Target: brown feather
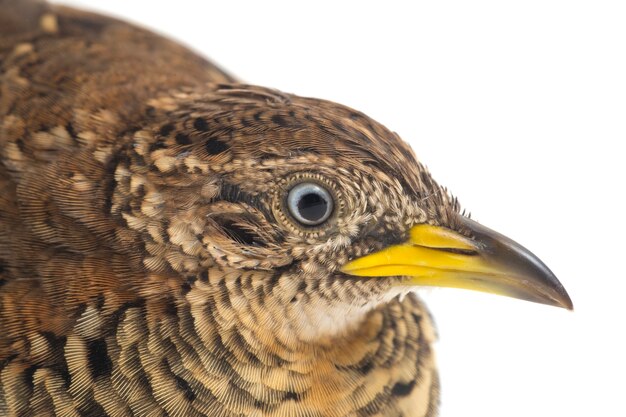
147,264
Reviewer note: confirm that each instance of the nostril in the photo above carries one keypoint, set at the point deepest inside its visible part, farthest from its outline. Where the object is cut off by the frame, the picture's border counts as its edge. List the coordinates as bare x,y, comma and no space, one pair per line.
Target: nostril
458,251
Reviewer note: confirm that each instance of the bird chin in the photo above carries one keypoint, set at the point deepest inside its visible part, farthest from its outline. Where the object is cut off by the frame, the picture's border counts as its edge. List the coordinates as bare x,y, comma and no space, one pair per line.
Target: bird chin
326,320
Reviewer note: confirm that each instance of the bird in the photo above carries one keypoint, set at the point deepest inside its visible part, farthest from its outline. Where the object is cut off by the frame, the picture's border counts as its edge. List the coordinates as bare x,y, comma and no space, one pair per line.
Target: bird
175,242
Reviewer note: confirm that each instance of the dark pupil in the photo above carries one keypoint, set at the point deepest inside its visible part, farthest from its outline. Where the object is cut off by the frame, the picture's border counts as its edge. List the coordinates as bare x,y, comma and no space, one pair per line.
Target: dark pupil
312,206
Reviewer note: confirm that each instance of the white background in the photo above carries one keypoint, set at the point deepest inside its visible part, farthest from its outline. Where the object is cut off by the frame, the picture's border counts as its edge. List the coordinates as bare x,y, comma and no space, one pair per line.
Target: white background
519,107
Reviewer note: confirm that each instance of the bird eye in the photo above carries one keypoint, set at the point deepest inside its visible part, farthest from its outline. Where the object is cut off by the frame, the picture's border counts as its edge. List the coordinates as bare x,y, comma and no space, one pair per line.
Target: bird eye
310,204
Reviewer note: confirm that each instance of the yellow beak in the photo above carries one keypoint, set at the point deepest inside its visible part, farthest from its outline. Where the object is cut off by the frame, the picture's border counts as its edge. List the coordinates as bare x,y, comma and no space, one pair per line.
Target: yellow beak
487,261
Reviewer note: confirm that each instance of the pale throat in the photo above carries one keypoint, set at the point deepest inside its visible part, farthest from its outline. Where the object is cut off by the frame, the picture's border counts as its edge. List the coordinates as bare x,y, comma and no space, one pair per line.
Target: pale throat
319,320
284,315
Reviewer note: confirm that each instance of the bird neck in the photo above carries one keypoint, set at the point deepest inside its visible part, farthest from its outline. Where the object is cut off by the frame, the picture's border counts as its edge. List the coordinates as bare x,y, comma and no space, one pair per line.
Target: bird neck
213,349
268,320
239,343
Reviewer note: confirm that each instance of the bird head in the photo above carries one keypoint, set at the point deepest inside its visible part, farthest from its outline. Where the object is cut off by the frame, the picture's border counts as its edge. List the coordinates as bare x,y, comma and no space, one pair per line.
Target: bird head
306,205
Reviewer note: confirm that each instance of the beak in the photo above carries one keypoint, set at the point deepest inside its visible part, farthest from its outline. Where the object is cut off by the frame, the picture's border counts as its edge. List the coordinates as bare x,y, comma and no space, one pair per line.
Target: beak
487,261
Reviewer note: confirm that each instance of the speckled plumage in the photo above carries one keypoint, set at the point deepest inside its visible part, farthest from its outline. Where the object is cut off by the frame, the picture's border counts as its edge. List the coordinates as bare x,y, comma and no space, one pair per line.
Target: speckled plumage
147,265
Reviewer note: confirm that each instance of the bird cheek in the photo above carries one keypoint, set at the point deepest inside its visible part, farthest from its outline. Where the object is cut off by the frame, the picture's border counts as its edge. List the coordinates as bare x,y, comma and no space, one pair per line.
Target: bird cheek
238,236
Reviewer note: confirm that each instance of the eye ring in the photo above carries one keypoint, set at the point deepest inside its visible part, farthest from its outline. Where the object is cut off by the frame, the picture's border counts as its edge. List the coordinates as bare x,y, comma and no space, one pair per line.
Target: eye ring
310,204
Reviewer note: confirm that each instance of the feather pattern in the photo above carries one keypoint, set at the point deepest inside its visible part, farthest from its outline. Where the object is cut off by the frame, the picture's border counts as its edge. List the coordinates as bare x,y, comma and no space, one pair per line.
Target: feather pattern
147,264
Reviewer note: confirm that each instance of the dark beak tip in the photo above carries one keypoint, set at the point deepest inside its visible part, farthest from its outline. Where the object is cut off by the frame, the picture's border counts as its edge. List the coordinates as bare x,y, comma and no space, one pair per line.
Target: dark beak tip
566,302
555,294
540,280
559,296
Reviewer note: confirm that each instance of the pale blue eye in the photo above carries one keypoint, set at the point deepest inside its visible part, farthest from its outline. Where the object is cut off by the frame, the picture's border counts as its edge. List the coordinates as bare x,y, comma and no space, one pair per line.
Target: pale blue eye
310,203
